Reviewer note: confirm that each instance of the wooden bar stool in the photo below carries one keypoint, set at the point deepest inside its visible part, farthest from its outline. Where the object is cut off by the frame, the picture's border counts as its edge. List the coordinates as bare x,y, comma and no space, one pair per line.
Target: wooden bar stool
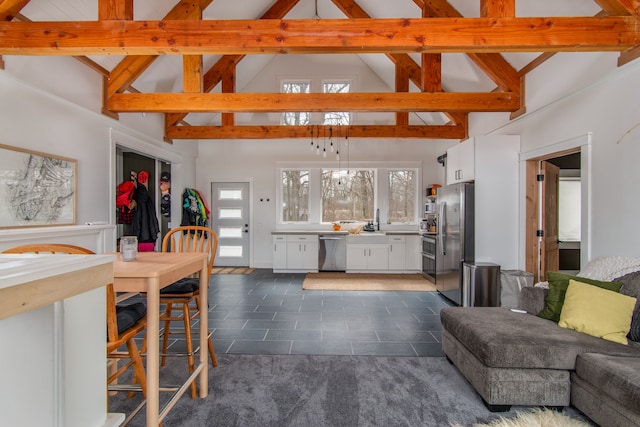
179,295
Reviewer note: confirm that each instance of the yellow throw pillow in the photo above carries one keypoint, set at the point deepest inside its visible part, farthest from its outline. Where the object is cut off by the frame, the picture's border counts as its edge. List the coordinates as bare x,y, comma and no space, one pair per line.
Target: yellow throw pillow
598,312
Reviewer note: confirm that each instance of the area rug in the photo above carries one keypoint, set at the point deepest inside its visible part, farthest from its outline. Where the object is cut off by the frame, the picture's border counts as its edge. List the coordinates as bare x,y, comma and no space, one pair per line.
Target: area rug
367,282
232,270
535,418
321,391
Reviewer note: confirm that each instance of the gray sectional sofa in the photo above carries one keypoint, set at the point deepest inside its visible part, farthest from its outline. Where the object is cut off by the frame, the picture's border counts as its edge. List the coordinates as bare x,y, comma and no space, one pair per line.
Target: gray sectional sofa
514,358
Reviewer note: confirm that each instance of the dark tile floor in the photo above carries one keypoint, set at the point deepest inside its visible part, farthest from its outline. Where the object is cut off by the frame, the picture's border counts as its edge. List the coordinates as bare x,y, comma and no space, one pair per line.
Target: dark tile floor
270,313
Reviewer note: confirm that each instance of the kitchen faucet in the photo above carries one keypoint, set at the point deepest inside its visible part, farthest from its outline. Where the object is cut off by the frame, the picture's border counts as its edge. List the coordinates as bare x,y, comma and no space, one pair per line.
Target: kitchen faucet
378,219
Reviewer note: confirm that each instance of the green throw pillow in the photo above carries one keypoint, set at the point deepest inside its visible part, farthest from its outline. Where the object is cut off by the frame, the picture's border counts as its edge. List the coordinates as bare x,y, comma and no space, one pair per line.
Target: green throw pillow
558,284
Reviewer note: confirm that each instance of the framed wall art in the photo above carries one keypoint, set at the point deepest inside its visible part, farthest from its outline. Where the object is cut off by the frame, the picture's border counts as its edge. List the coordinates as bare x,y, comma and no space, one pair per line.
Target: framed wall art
36,189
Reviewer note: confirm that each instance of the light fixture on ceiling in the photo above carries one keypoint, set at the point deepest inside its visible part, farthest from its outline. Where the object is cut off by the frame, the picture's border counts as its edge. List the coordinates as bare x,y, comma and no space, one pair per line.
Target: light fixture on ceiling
311,137
324,142
334,143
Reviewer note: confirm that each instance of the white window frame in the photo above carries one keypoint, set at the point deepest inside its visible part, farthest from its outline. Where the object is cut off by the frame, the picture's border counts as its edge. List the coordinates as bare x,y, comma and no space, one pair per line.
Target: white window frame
375,189
283,82
348,114
281,196
315,189
417,195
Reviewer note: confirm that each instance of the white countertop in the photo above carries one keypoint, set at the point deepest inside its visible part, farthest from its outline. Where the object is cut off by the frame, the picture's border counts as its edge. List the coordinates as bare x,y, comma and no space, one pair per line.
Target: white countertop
345,232
30,281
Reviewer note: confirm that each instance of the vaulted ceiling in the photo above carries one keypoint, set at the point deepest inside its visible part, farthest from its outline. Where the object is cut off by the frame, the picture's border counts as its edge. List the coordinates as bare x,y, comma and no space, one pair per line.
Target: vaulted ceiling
444,59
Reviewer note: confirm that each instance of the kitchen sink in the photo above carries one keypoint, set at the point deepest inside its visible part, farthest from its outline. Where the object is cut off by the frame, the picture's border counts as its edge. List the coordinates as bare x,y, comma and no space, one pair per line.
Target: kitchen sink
368,237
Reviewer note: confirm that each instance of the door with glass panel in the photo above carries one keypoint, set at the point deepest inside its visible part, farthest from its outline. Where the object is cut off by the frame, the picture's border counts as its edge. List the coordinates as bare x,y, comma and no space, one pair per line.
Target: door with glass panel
230,220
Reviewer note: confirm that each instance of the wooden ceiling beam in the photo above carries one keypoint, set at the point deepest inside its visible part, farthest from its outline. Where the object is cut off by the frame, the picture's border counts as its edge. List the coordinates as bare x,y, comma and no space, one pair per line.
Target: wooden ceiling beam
211,78
492,64
289,132
431,64
427,80
10,8
115,9
274,36
402,86
229,86
192,66
489,8
313,102
620,7
131,67
628,56
214,75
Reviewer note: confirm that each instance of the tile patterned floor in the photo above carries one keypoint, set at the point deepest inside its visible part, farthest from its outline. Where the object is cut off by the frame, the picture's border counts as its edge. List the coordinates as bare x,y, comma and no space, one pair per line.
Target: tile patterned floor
269,313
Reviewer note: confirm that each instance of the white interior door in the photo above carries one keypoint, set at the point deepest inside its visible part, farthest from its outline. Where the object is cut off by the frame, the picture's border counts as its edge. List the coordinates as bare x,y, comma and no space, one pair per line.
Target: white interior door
230,220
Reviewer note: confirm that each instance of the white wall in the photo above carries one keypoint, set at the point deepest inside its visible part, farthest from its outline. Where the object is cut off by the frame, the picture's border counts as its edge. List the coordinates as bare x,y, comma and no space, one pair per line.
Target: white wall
34,119
35,116
608,110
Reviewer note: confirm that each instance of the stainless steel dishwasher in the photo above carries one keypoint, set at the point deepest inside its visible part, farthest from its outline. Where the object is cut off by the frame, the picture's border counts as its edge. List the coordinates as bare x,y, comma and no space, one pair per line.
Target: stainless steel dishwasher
332,253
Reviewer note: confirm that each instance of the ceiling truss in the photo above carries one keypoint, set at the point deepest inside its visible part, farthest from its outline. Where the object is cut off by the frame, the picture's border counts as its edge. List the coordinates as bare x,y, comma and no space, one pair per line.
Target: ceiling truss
442,29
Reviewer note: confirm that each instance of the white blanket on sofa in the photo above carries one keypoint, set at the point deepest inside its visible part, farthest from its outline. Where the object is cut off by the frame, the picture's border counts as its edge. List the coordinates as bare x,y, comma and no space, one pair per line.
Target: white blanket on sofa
605,268
609,268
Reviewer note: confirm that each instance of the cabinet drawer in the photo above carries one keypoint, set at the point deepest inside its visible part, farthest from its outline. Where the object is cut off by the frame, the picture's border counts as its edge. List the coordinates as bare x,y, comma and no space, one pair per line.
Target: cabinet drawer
302,238
397,239
279,239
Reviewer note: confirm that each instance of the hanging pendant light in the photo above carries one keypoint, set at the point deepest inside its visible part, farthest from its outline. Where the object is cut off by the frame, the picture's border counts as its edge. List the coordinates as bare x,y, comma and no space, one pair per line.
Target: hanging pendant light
331,138
338,156
338,146
324,142
311,128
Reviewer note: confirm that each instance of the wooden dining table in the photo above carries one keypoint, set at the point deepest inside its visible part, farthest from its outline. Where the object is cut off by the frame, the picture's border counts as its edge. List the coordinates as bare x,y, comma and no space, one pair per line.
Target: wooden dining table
150,272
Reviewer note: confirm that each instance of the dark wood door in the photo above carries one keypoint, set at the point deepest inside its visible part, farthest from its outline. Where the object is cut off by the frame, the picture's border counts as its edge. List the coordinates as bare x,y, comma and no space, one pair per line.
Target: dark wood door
550,259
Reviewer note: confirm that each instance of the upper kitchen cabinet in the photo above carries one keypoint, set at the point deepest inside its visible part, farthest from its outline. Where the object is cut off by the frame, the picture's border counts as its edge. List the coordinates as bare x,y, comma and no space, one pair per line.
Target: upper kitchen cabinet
461,162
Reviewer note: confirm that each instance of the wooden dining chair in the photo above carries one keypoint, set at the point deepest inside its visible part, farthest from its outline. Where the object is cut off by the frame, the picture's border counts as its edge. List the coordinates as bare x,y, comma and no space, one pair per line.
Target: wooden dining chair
183,296
124,322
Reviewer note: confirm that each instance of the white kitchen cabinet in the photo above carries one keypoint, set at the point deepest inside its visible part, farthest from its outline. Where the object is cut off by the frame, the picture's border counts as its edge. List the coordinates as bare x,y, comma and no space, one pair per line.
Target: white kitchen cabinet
356,257
413,249
397,253
279,252
302,252
363,257
378,257
461,162
295,252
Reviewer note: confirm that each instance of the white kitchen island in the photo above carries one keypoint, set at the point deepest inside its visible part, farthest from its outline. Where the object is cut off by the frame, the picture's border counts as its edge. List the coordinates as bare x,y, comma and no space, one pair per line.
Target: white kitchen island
53,335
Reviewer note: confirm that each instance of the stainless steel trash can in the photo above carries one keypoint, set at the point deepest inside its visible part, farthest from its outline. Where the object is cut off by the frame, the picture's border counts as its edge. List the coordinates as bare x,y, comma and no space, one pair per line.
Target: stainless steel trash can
480,284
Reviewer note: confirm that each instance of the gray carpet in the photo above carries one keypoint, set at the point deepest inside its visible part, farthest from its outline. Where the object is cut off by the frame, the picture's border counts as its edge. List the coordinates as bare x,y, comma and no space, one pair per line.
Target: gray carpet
247,390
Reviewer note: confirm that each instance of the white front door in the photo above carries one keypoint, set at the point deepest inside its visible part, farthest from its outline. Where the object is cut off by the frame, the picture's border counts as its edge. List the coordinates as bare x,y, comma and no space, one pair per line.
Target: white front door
230,220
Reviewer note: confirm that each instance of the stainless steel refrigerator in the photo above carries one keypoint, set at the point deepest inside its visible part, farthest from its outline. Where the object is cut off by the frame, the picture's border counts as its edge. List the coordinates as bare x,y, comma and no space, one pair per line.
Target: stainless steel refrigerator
456,231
